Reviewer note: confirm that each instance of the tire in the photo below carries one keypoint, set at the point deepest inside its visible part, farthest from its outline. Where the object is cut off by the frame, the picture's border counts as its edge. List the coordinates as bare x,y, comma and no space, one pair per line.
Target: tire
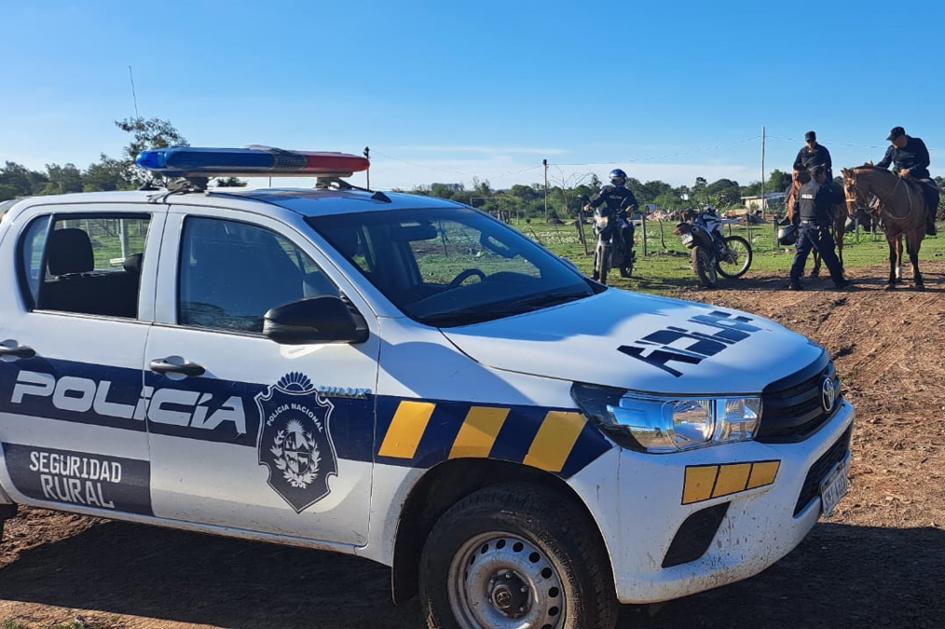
563,564
703,267
742,263
626,271
601,264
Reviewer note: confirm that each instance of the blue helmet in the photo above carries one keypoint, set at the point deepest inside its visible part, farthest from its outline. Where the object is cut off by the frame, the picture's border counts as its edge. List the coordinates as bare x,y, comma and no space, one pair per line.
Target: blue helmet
618,177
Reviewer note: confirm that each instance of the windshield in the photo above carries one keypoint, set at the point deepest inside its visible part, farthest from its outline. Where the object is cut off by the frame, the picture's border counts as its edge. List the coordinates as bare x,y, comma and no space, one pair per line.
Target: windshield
452,266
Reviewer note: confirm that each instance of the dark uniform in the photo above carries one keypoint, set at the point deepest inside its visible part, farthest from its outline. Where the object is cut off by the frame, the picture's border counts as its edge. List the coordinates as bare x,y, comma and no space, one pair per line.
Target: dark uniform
914,156
619,199
809,159
814,202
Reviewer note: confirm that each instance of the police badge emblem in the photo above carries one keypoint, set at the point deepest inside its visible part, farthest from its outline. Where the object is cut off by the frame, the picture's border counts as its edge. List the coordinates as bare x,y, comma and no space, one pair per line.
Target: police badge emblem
295,441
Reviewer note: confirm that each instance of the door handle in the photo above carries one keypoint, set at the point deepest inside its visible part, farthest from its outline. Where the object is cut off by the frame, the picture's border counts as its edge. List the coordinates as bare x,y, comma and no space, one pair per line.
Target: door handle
20,351
187,368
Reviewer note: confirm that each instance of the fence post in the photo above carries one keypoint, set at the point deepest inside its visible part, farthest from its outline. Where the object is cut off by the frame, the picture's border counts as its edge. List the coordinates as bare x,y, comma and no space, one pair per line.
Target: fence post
774,224
662,238
644,235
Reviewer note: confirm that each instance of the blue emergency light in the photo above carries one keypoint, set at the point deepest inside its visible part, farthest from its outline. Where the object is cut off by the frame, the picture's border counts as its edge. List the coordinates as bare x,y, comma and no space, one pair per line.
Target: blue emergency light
189,161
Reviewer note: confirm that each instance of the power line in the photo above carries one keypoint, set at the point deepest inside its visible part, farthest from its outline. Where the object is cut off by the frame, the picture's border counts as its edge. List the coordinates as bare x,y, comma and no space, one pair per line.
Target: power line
652,157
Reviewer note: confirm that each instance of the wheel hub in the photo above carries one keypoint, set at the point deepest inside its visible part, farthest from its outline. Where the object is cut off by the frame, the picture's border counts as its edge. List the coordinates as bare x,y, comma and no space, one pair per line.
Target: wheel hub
502,581
509,594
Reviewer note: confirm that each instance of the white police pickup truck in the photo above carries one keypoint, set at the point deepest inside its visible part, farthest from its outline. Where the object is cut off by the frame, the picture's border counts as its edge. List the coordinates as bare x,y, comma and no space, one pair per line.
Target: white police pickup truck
405,379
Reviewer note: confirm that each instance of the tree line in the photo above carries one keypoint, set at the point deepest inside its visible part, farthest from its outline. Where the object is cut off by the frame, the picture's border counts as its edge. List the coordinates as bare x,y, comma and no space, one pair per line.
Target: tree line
106,174
565,195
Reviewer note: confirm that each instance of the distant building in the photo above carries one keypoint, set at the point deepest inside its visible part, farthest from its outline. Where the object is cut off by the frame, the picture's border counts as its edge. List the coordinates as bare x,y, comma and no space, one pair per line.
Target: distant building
771,200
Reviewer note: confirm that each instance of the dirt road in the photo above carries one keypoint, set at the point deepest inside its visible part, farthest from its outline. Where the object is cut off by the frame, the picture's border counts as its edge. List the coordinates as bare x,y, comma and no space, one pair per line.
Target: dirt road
878,562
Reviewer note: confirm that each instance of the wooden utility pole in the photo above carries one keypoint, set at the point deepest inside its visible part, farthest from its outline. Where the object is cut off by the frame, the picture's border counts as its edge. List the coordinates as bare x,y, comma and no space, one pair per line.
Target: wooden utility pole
764,207
367,173
544,163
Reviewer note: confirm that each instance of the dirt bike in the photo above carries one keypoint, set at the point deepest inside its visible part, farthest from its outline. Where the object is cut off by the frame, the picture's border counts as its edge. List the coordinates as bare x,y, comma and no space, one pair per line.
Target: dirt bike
609,252
714,253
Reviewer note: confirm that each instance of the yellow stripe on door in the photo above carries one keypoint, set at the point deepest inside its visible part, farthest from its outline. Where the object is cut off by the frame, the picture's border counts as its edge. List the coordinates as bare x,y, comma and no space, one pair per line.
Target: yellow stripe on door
478,432
406,429
555,440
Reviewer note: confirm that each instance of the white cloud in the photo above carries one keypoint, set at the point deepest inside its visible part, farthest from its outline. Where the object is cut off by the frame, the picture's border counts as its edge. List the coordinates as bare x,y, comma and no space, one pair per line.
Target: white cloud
503,171
485,150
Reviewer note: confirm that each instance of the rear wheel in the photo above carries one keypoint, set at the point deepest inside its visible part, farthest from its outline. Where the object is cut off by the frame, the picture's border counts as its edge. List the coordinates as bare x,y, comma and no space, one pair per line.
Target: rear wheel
738,258
704,267
514,556
626,270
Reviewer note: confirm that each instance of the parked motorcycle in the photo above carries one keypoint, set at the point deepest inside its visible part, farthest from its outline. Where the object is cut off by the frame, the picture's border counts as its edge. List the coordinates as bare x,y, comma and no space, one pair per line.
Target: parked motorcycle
714,253
609,252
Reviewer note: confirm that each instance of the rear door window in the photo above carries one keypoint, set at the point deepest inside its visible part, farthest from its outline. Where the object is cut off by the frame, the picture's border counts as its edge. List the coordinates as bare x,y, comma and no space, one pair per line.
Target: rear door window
87,265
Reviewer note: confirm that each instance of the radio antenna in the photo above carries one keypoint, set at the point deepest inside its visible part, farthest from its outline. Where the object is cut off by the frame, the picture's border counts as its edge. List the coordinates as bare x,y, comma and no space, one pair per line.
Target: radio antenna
134,97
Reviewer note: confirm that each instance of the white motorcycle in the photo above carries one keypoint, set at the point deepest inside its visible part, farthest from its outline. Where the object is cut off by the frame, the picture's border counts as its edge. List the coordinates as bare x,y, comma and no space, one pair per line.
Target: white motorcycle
714,253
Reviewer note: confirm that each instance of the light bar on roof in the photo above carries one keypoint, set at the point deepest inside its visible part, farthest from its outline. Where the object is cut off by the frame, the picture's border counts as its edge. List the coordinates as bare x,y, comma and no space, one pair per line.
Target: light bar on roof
188,161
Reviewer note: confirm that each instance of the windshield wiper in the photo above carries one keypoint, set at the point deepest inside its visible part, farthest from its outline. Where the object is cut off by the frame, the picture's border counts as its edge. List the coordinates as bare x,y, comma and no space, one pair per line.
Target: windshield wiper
467,316
548,299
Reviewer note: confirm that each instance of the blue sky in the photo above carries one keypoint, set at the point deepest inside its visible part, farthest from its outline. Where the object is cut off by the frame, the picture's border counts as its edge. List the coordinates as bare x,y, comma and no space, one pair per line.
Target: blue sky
444,91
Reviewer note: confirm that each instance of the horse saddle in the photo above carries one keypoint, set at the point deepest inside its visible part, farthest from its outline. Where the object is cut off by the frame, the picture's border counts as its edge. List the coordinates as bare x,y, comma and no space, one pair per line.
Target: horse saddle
930,191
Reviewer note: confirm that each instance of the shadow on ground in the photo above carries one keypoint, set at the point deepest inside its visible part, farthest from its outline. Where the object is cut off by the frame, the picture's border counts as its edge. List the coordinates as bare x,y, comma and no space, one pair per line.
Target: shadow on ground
841,576
863,280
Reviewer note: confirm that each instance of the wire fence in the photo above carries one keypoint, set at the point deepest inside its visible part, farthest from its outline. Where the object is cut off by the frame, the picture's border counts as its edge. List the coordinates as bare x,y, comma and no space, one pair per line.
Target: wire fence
655,237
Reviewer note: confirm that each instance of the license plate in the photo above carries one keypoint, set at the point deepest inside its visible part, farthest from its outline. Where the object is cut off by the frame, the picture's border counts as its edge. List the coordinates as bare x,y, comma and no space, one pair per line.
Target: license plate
835,486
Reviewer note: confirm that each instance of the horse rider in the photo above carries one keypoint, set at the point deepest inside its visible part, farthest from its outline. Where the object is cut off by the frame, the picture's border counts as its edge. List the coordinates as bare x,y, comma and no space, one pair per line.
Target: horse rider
621,204
814,202
813,155
911,160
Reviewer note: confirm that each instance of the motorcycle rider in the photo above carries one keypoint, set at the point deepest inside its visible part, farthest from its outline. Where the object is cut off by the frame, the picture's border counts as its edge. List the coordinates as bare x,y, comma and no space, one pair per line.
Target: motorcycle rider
814,201
620,206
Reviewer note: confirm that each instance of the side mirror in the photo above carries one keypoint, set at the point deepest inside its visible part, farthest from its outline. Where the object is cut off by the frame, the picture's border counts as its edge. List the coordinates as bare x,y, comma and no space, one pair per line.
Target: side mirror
316,320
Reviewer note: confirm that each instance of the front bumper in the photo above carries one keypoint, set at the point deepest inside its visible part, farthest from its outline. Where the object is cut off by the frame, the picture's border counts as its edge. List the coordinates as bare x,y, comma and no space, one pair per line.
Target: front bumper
758,528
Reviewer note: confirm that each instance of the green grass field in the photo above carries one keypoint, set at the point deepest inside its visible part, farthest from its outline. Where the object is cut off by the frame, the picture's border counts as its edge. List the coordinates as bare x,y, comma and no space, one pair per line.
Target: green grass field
666,265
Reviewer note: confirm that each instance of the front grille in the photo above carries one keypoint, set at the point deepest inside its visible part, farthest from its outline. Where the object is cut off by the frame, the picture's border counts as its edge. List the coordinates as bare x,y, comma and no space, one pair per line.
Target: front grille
792,407
821,467
695,535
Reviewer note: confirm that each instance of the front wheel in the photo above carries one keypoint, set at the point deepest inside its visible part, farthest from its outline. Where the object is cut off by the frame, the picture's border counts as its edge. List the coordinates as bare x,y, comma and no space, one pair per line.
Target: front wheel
601,264
737,258
515,556
704,266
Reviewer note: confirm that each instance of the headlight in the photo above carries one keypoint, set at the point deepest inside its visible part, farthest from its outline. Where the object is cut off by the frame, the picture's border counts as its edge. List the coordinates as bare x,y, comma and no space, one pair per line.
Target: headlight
661,425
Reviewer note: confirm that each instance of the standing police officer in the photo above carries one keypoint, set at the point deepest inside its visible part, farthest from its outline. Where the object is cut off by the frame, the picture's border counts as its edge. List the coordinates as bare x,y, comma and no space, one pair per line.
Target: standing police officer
621,204
911,159
815,199
814,155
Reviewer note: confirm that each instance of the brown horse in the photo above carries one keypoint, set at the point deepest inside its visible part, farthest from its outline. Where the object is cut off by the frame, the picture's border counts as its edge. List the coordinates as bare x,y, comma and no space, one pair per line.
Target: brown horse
838,218
901,207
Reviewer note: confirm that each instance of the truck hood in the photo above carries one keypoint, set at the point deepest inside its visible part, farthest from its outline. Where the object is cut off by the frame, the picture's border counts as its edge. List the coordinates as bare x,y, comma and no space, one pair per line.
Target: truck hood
641,342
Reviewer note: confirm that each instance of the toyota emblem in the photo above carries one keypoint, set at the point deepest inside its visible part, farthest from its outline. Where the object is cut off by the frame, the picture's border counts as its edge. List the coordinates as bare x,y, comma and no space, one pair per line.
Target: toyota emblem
828,394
